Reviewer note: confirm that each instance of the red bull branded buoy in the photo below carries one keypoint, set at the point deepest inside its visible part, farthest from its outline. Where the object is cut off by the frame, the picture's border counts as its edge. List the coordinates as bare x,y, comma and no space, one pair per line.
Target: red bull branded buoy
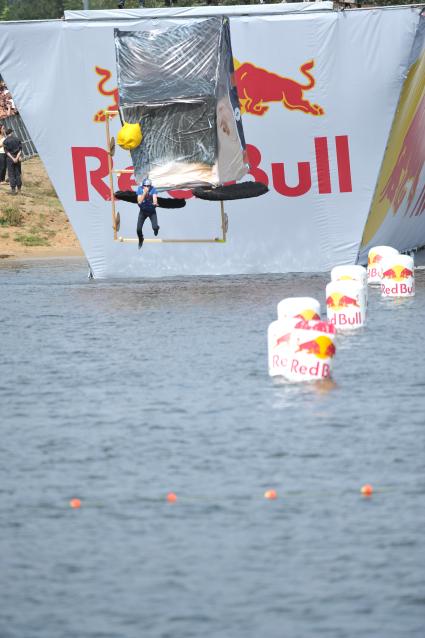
305,308
374,259
346,303
397,278
352,272
301,350
279,340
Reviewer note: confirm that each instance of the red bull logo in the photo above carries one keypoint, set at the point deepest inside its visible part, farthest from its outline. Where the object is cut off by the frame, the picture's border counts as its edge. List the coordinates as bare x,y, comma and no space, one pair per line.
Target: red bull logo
336,301
397,273
401,179
344,311
258,87
398,279
307,315
105,75
322,169
405,176
330,168
373,258
284,339
322,347
320,326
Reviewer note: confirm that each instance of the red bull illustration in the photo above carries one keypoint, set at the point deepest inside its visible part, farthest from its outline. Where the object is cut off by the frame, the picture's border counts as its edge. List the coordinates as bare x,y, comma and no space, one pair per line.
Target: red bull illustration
405,176
398,278
322,347
258,87
331,170
373,258
320,326
398,273
401,181
283,339
308,315
105,75
337,301
346,304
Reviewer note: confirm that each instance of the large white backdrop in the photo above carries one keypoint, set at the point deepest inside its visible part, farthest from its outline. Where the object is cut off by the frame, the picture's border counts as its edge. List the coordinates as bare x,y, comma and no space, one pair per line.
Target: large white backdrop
321,157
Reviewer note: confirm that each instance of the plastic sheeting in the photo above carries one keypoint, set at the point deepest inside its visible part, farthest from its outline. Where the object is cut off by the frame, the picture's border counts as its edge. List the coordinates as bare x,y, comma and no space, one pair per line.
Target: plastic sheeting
175,77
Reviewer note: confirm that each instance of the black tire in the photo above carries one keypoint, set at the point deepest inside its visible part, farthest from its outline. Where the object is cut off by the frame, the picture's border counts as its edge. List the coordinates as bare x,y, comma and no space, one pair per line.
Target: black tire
163,202
244,190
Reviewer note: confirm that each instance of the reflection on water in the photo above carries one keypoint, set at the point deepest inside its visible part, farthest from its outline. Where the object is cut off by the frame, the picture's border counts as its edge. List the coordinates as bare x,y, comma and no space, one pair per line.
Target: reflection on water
120,392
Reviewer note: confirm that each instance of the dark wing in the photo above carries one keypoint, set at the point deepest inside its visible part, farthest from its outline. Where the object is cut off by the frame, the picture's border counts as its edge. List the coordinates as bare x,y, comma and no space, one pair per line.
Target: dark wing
243,190
163,202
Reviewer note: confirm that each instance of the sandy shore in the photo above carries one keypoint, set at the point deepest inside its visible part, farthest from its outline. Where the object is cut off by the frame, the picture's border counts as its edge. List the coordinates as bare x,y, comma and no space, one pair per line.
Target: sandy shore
42,253
33,224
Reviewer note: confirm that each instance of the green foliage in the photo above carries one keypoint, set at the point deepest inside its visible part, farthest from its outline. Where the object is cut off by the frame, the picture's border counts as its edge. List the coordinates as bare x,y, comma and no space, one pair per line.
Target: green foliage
31,240
11,216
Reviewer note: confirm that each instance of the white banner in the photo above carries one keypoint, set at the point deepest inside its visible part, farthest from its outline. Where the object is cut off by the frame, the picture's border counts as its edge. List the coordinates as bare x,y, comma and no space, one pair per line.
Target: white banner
397,215
318,93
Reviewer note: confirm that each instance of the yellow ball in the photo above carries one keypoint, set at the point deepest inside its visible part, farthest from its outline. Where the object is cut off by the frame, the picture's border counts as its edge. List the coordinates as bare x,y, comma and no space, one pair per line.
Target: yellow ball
129,136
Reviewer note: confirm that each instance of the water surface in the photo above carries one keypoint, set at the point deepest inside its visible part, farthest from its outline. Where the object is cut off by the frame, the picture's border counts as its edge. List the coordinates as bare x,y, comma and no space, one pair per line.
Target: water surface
118,392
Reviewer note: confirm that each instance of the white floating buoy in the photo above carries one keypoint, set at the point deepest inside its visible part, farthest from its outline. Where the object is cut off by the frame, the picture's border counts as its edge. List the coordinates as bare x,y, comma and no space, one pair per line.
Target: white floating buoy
398,279
349,273
346,303
305,308
301,350
279,342
374,259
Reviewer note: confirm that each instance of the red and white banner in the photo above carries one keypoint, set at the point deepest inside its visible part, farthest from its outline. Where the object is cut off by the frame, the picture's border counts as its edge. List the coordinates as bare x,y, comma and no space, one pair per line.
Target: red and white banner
318,91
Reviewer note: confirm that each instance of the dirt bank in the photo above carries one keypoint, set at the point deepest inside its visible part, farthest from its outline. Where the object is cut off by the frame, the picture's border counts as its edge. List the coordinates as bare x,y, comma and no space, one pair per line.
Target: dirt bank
33,223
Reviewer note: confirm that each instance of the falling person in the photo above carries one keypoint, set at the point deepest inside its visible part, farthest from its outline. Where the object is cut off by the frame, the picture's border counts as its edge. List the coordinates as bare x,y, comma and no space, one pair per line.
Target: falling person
148,201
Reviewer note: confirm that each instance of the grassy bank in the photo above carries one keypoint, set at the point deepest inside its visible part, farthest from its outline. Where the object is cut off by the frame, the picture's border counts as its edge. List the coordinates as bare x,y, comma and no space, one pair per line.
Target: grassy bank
33,223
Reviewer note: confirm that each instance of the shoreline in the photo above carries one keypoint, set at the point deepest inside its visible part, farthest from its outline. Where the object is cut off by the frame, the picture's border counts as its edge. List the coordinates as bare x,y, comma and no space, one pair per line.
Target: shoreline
33,224
44,253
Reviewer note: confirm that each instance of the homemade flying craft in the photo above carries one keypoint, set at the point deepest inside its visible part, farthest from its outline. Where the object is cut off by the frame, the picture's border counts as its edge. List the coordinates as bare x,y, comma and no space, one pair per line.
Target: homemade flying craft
179,108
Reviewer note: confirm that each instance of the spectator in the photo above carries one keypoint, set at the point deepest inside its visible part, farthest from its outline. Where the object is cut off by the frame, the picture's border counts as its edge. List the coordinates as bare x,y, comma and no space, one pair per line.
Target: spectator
10,104
7,105
2,154
13,147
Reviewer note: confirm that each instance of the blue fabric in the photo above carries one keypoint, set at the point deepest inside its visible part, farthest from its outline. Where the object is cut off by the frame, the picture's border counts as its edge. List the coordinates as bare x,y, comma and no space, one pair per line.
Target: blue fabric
147,203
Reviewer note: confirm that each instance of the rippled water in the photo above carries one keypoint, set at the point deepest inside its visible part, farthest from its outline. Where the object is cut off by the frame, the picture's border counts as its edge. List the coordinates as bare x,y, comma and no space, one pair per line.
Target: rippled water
119,392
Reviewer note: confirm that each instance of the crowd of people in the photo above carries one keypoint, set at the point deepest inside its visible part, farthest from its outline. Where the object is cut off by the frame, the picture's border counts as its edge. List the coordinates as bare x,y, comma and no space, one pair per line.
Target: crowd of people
10,144
7,105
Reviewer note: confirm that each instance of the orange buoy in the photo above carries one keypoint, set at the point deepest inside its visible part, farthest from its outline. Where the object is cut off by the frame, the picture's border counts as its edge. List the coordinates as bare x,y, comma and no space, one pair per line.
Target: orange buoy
75,503
270,494
171,497
367,490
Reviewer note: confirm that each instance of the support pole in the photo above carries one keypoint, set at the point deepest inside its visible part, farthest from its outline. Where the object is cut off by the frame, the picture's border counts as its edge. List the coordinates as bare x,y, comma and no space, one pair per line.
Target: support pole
224,221
111,182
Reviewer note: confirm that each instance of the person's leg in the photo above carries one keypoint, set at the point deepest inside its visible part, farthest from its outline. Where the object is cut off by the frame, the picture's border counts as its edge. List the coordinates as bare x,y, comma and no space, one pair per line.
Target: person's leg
141,220
18,175
2,167
11,173
154,222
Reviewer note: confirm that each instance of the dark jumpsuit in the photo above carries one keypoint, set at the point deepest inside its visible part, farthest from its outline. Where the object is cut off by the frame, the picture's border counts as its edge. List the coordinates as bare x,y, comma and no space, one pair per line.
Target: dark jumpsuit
147,209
